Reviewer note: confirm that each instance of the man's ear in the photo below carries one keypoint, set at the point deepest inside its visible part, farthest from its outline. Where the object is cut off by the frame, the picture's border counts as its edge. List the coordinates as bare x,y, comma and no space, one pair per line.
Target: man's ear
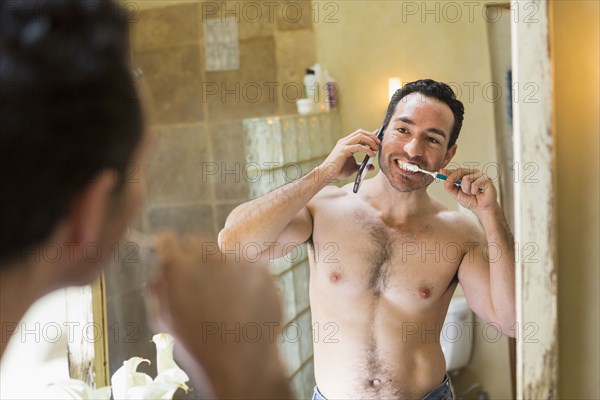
91,206
449,155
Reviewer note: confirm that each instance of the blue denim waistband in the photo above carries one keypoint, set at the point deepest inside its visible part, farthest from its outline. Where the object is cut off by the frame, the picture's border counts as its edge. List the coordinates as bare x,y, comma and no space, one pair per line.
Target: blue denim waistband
442,392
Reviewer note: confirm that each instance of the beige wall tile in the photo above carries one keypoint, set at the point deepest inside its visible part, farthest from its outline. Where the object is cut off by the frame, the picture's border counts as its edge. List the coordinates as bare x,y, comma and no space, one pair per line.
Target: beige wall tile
175,174
294,14
233,186
252,27
175,81
255,18
220,9
228,154
183,219
248,92
166,27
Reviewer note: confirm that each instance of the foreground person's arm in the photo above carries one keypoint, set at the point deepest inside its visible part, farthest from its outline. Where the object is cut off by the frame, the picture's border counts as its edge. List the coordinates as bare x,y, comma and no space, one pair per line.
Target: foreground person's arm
226,316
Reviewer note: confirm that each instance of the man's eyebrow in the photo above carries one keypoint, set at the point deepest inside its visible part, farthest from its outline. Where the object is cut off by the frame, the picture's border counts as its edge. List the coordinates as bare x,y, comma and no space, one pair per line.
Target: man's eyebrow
409,121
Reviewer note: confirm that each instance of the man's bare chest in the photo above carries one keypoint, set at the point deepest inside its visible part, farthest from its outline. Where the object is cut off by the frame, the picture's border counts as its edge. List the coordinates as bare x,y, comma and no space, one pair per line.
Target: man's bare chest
357,253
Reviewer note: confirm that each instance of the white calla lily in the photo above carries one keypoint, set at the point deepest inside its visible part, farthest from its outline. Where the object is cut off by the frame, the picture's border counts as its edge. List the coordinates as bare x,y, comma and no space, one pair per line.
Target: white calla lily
128,383
164,352
127,377
173,376
168,370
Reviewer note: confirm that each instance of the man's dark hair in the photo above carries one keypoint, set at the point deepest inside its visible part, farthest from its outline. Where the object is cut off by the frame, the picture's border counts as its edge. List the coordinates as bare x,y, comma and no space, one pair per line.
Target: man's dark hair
436,90
68,109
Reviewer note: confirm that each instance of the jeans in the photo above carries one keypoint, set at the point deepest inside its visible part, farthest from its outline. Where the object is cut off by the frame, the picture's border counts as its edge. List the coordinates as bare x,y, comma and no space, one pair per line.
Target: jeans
442,392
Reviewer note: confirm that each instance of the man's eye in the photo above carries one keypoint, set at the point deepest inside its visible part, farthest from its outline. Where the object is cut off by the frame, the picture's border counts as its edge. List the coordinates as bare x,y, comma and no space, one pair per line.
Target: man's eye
402,130
433,140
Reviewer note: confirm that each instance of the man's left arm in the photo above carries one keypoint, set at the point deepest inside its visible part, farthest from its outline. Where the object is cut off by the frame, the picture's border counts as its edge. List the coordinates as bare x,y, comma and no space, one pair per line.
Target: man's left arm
487,274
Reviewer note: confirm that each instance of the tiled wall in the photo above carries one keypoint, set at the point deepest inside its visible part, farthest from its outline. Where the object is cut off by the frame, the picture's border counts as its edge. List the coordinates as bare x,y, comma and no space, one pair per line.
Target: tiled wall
198,115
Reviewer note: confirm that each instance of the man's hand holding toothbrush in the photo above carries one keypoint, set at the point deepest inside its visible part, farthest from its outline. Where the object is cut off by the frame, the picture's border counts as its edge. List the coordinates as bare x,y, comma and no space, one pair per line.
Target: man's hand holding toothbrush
476,191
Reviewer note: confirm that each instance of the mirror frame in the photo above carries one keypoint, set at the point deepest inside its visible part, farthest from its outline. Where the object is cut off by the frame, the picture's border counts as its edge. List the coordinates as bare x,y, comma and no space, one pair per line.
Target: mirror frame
534,205
87,347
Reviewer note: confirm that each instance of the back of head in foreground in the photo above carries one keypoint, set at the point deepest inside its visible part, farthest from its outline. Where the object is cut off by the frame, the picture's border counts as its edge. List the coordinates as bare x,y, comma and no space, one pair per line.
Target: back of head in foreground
69,111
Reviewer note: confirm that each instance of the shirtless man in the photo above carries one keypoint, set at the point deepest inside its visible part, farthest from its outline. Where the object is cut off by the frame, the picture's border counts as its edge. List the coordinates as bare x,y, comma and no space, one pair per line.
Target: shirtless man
400,255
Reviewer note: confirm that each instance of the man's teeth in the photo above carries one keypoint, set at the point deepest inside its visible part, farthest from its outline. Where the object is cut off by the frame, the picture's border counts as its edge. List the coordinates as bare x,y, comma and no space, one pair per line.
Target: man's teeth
407,167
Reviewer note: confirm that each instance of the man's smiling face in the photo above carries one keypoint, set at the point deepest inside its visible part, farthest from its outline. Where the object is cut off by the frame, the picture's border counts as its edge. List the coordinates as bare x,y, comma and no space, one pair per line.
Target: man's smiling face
418,133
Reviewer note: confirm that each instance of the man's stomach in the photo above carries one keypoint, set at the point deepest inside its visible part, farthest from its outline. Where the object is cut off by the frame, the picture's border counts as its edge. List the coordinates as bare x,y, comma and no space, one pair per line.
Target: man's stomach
376,353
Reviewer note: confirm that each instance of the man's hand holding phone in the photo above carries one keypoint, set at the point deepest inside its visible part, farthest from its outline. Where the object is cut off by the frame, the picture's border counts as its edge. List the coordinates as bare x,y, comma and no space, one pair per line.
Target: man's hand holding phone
340,163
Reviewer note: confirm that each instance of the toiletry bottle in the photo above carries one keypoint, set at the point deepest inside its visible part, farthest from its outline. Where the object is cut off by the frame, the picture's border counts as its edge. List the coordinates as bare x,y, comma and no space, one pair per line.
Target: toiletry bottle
311,86
331,90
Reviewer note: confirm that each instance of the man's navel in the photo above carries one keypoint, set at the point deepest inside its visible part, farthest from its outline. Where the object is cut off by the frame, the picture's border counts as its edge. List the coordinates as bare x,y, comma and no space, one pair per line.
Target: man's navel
375,382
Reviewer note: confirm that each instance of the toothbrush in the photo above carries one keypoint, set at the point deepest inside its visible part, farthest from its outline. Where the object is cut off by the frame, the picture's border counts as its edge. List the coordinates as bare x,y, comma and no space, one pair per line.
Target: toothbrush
415,168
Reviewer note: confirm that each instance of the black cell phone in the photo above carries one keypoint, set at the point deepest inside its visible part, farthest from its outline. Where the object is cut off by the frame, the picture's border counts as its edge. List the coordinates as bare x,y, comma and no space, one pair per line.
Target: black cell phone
362,170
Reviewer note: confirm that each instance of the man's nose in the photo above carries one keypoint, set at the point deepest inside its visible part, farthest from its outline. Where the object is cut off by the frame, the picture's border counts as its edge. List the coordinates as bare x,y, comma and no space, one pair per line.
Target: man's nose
414,148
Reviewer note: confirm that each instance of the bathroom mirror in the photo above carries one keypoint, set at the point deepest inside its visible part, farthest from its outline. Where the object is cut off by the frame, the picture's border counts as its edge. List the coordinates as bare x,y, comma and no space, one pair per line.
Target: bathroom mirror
206,78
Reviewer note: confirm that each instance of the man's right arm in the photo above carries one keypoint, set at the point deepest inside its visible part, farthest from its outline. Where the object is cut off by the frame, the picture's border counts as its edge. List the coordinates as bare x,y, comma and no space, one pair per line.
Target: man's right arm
277,220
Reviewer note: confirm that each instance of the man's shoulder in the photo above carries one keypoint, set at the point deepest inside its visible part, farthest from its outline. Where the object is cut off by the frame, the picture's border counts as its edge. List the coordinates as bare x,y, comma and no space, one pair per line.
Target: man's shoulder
332,192
464,222
329,195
